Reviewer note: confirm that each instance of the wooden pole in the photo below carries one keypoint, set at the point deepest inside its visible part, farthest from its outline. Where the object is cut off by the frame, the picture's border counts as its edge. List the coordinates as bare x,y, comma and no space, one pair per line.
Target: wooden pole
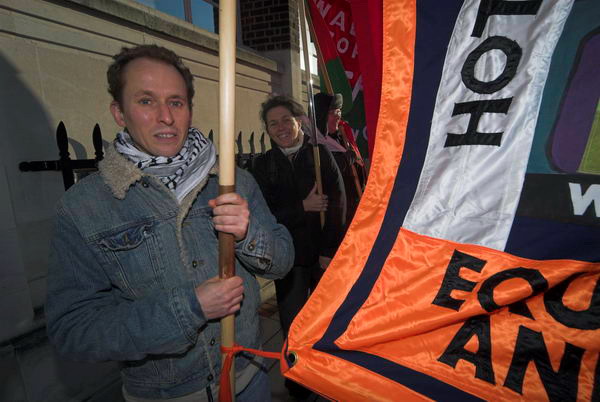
329,88
311,106
227,50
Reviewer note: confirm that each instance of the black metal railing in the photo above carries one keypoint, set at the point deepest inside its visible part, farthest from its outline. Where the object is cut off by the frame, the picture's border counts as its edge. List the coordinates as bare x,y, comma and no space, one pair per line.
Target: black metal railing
69,167
72,168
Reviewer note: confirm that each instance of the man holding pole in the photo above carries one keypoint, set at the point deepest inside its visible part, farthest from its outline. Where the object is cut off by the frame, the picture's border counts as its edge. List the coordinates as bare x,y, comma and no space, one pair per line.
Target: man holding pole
134,262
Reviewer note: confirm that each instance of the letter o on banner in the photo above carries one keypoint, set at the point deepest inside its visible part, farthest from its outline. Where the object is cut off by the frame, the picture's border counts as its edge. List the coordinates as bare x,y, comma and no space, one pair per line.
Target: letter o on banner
513,53
486,293
343,45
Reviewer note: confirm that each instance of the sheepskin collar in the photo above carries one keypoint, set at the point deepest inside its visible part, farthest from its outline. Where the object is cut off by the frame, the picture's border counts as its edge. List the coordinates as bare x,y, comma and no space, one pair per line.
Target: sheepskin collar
120,174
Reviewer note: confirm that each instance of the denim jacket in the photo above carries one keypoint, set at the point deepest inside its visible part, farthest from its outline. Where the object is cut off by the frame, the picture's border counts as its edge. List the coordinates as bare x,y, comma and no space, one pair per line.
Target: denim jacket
125,260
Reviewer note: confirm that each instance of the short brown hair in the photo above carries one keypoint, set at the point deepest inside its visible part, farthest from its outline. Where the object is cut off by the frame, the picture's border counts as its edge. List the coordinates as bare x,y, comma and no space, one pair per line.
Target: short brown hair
114,74
280,100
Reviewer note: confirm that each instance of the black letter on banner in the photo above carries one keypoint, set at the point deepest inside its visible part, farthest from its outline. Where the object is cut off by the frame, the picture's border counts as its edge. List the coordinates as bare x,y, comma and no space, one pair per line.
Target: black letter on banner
587,319
499,7
486,293
476,326
477,109
513,53
453,281
561,385
521,309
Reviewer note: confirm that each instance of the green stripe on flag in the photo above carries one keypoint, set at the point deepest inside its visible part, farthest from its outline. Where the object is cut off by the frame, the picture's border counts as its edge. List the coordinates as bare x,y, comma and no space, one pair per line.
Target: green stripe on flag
353,111
590,163
339,82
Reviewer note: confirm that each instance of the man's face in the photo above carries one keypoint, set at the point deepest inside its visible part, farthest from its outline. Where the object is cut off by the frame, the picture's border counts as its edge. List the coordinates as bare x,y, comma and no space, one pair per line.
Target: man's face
154,108
283,127
333,120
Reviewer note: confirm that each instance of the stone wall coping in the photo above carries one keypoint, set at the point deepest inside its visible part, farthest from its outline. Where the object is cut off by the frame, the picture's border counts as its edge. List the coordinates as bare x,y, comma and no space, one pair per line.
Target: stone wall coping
151,19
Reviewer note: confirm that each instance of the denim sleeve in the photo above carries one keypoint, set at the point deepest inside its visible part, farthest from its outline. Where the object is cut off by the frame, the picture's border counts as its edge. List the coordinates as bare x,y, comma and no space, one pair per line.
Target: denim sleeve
88,321
267,249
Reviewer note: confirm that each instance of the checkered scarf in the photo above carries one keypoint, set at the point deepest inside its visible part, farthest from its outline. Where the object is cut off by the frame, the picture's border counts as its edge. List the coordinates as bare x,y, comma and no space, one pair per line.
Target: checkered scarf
180,173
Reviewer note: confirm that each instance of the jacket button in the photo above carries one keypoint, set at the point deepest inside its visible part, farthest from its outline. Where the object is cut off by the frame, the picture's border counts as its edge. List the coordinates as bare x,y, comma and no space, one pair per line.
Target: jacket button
212,342
144,184
194,263
252,245
210,377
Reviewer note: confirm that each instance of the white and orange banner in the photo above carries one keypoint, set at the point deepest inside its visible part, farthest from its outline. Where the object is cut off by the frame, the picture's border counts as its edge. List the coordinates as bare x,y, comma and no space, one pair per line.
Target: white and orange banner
471,270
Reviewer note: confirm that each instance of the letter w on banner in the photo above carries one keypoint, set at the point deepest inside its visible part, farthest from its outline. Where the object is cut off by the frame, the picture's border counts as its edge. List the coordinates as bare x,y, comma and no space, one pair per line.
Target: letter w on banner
471,270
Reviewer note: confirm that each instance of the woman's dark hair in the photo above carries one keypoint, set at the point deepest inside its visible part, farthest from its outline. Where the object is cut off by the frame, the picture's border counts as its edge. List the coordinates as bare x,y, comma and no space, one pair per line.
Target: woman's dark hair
114,74
280,100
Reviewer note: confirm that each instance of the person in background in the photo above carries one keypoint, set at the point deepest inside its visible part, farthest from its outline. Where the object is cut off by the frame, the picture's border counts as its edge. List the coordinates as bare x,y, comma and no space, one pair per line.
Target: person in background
286,176
338,137
133,273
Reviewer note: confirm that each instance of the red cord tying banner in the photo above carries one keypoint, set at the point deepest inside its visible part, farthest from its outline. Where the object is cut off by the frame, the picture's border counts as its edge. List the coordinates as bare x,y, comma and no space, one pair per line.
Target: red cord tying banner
224,388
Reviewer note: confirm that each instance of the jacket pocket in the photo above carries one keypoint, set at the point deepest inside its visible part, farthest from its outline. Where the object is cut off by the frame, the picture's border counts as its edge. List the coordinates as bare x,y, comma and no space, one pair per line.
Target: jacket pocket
132,256
152,371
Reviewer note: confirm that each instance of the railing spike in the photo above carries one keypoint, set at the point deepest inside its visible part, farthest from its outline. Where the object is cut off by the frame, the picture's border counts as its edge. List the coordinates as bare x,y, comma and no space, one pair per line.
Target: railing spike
238,141
263,148
251,142
62,140
97,141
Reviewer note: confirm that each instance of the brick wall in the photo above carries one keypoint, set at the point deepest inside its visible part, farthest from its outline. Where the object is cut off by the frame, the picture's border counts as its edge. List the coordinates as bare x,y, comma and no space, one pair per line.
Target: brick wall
270,24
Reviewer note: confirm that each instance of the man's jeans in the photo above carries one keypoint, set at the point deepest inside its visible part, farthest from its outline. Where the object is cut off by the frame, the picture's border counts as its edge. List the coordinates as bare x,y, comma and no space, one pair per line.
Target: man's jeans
259,389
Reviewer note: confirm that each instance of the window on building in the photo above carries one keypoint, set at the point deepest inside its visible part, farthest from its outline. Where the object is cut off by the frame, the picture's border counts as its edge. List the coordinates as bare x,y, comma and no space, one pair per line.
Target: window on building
202,13
312,51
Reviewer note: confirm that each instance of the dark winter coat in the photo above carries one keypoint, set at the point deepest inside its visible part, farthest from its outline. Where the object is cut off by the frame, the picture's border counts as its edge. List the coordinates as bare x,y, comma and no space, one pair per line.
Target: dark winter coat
285,183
